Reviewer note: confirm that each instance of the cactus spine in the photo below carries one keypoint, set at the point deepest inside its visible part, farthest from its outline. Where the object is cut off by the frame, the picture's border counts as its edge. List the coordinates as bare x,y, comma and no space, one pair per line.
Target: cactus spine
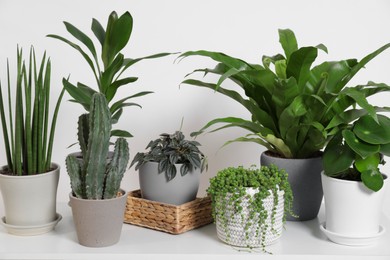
94,177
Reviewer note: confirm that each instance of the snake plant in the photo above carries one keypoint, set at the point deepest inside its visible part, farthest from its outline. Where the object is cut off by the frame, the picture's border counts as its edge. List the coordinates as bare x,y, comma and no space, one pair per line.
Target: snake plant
108,67
295,107
28,140
97,175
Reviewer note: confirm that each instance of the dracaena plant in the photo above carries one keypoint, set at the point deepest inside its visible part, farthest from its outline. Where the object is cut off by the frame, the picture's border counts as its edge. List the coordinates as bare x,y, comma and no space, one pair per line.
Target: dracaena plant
171,149
356,151
295,105
107,68
28,139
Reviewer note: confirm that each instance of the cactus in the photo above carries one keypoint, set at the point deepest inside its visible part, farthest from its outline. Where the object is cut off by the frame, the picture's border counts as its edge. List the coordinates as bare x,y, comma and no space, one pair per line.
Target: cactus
94,176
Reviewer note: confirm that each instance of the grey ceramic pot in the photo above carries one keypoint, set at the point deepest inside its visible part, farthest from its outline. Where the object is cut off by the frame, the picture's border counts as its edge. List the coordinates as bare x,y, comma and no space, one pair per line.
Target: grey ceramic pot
98,222
304,176
179,190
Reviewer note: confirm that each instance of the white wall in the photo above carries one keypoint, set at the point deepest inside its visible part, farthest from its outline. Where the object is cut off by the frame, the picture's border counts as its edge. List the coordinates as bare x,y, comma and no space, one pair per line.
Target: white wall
245,28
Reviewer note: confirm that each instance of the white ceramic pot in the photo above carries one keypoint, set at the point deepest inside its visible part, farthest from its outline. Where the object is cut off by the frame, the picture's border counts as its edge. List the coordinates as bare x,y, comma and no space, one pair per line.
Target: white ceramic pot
30,202
234,232
352,210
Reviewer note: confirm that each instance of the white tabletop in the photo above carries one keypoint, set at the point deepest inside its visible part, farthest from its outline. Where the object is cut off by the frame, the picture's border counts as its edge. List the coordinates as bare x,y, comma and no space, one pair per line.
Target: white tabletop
300,240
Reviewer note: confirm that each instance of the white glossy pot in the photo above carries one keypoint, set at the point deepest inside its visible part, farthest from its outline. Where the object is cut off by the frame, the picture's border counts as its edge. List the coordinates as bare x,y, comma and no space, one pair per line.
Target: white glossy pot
352,210
30,202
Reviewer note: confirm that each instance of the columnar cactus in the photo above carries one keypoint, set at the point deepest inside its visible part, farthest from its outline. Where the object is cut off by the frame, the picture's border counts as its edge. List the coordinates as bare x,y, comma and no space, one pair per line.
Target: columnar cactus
96,176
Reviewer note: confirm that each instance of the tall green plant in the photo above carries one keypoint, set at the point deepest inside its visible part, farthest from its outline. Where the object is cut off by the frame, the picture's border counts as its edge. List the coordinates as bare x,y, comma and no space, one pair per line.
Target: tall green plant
27,137
295,107
96,176
109,67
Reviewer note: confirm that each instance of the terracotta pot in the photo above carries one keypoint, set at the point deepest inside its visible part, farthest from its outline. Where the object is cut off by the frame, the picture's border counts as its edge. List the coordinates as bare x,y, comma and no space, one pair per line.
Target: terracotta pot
179,190
98,222
304,176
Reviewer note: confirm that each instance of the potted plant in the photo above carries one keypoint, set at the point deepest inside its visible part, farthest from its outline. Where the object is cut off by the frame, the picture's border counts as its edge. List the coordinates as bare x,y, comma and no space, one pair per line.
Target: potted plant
179,159
108,67
250,205
295,108
29,181
353,185
97,202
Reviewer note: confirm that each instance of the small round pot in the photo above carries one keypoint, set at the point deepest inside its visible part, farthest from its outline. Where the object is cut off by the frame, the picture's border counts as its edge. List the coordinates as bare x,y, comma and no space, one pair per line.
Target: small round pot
30,202
234,232
304,176
98,222
351,209
154,186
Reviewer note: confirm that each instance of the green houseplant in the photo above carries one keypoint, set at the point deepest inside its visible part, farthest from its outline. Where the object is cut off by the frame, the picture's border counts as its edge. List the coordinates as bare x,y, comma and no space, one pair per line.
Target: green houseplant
107,68
170,154
97,202
250,205
295,108
29,180
353,185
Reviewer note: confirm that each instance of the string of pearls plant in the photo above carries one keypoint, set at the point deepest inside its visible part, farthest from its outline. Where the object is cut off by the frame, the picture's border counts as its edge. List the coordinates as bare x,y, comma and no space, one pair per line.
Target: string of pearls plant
246,205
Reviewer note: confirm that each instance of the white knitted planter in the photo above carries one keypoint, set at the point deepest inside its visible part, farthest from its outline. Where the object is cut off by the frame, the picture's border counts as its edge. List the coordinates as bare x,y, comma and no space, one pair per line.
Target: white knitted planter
234,233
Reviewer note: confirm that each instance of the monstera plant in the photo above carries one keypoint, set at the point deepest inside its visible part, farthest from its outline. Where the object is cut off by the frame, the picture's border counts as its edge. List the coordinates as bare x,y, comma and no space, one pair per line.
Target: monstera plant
108,68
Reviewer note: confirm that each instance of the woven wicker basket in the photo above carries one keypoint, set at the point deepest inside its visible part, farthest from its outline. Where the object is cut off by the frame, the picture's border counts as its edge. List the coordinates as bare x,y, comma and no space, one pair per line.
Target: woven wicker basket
234,233
166,217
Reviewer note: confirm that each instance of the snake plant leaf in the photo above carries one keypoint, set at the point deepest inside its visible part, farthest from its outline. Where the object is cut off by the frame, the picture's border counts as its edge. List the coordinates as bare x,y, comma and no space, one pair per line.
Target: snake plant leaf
337,157
82,37
385,149
373,179
363,149
288,41
299,64
98,30
371,132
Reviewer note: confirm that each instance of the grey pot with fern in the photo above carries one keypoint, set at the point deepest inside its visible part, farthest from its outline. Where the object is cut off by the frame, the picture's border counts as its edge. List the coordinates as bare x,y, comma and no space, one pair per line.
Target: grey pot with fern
29,181
170,171
295,106
97,202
